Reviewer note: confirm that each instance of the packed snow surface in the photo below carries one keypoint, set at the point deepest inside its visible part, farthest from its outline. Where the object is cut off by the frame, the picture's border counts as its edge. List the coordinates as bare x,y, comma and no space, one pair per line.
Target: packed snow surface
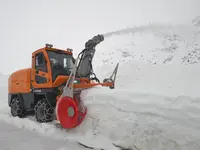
156,102
13,138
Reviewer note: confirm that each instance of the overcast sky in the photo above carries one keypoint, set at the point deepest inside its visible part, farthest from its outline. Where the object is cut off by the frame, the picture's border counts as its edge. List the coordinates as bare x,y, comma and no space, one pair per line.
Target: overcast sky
27,25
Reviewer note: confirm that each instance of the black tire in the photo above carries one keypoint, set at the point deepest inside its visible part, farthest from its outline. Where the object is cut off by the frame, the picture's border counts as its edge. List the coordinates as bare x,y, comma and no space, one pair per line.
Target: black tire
43,111
16,108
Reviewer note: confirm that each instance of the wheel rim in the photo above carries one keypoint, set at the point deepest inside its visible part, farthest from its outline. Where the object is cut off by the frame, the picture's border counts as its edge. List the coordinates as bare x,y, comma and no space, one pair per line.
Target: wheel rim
43,111
70,111
40,113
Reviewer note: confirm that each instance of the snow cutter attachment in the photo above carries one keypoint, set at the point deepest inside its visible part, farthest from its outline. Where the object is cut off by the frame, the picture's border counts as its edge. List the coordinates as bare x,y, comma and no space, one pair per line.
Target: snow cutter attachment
70,111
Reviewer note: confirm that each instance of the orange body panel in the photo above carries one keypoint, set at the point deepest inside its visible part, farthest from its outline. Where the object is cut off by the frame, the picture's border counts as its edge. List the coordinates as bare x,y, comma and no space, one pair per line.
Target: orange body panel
60,80
19,81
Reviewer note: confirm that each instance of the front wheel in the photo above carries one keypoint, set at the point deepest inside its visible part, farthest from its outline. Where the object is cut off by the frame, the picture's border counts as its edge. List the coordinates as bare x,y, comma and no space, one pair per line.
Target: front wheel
43,111
16,108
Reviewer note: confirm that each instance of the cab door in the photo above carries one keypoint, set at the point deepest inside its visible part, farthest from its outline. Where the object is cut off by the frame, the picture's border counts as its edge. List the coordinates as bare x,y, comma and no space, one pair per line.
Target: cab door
40,73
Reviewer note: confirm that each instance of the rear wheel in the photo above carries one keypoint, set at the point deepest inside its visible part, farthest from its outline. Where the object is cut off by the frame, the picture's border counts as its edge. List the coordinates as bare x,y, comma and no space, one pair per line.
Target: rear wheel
43,111
16,107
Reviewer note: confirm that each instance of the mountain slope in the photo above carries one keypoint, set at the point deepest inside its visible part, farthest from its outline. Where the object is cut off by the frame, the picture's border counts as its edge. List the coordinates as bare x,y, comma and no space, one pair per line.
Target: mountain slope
152,44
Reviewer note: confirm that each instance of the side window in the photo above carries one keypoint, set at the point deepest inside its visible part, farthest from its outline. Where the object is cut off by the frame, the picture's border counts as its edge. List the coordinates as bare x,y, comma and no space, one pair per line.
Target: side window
40,63
65,62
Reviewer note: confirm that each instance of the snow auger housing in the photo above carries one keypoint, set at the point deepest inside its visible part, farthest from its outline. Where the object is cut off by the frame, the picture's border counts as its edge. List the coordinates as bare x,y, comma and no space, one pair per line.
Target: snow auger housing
51,88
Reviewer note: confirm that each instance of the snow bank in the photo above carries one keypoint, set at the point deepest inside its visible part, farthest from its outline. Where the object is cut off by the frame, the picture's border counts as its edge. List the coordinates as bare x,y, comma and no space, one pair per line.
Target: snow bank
143,121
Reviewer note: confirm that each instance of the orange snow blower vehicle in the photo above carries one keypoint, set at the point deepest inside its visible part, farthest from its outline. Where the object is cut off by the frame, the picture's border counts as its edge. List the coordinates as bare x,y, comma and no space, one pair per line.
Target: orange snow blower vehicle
51,87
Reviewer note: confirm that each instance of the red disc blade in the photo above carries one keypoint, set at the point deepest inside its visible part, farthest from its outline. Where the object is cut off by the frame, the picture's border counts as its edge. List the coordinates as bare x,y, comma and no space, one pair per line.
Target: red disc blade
67,112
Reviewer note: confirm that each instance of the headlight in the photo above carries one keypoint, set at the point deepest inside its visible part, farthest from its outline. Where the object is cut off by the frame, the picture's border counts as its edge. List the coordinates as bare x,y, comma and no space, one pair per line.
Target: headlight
76,81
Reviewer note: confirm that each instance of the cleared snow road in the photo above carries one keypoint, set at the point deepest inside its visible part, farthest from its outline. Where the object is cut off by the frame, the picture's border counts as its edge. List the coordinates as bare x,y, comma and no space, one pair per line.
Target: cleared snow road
13,138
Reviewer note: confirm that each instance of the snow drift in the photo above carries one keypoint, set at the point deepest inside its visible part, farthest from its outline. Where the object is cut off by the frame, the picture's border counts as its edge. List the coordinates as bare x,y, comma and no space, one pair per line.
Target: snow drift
156,101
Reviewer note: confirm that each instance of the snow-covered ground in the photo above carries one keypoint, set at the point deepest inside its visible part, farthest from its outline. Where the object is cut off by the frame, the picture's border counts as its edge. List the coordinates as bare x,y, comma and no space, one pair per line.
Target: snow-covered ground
20,139
156,103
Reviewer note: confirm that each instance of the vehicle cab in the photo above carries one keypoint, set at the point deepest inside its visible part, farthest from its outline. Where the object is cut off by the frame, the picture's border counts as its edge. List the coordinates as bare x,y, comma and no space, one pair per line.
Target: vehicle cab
51,67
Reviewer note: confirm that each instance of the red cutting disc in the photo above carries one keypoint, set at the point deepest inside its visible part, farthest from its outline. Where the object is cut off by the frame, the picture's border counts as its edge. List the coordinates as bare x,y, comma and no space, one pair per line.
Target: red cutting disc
67,112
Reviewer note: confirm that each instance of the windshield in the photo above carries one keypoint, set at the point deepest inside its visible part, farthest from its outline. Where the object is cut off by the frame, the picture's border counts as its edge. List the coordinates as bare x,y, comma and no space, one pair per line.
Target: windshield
61,63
